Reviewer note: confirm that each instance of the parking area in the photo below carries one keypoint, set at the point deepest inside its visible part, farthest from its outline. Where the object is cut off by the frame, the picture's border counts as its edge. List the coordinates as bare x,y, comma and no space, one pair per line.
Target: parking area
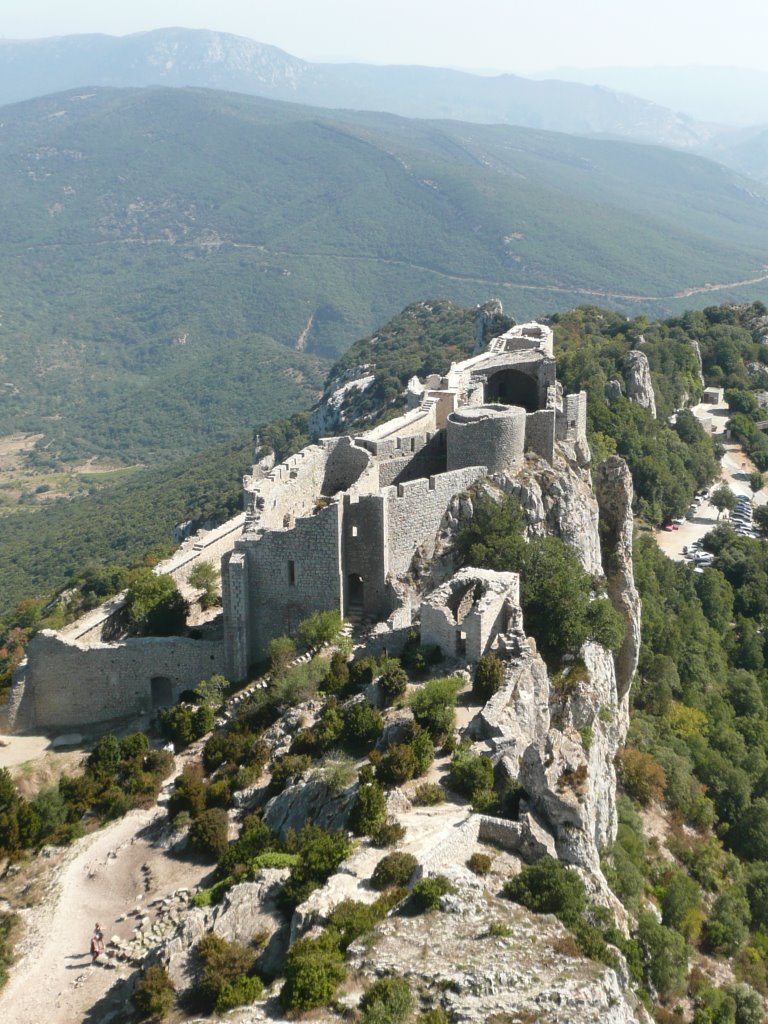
735,470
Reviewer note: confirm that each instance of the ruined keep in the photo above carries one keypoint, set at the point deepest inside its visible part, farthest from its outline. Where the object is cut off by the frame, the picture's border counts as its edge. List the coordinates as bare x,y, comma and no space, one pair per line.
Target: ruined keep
336,526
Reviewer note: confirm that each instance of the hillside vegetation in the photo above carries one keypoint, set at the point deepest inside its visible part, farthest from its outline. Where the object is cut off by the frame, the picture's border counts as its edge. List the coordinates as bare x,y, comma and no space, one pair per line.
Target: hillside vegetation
177,263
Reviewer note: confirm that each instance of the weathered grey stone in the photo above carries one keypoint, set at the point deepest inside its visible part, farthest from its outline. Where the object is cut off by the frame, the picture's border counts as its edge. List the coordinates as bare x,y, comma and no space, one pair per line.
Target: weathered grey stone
637,380
612,391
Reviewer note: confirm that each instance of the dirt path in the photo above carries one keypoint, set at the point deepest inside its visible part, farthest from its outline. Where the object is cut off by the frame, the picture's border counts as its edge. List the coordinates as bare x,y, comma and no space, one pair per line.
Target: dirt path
102,878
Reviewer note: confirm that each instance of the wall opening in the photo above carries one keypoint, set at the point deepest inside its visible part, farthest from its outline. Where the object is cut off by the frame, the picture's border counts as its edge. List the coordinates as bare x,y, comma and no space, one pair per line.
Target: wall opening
461,643
511,387
291,573
355,590
162,691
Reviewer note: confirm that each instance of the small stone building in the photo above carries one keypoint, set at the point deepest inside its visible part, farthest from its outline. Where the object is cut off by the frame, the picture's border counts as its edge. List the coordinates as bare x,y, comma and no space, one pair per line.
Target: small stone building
466,615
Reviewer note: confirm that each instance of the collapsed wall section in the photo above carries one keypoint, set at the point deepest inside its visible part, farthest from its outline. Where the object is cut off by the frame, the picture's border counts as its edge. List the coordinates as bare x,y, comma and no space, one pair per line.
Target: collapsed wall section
70,685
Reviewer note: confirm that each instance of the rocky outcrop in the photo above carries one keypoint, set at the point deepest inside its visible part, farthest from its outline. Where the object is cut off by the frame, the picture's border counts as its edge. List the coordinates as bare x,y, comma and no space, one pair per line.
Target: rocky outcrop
313,800
247,911
475,976
613,484
329,416
489,321
637,381
612,391
699,362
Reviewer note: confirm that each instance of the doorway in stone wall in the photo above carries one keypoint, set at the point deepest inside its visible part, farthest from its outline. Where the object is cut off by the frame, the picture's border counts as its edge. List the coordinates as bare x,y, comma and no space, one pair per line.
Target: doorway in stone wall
355,596
162,691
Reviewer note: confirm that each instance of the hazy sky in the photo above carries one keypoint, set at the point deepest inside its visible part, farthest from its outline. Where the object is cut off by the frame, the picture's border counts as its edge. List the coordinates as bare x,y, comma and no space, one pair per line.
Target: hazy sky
507,35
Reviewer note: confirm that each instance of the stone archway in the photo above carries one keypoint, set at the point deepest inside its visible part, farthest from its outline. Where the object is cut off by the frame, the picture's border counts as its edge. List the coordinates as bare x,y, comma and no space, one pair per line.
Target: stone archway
512,387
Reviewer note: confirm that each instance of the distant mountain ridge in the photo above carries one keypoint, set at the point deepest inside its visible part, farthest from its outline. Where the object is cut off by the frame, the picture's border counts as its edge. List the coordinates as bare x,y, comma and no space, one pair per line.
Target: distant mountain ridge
199,255
201,58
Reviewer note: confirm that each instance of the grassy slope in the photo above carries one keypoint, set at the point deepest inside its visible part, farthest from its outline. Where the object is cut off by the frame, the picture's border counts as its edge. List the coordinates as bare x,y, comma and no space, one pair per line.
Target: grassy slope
135,218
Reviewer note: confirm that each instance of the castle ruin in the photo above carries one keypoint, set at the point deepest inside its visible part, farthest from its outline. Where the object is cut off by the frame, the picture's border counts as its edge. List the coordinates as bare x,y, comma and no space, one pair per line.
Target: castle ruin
334,527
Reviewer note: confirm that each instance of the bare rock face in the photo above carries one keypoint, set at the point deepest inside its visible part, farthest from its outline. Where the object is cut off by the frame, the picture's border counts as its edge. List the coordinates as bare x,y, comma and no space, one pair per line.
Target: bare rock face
612,391
486,317
455,963
613,483
637,380
699,363
247,910
309,800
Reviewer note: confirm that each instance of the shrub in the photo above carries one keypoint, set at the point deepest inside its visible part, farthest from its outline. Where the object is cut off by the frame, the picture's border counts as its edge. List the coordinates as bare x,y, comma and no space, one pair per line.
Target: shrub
136,745
183,724
423,749
749,1005
282,651
390,833
209,833
204,577
641,776
224,964
666,955
362,726
433,706
188,793
369,810
397,765
546,887
320,628
425,895
154,604
489,675
219,793
387,1001
436,1016
418,659
240,992
338,674
154,993
393,869
362,671
681,904
480,863
314,968
320,853
394,680
470,773
255,839
727,927
351,919
428,794
288,769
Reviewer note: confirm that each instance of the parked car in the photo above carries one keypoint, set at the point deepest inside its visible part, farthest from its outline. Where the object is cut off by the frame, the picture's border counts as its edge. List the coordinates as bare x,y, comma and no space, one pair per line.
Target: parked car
667,527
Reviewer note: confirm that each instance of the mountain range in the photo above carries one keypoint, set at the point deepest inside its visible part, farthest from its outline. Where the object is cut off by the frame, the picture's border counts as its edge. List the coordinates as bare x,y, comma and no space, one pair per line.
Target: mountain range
200,255
196,57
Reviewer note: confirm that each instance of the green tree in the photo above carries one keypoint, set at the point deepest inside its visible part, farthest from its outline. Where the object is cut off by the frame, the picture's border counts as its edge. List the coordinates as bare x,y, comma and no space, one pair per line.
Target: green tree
387,1001
209,833
433,705
546,887
320,628
666,955
755,481
204,577
489,675
369,811
154,993
154,604
723,499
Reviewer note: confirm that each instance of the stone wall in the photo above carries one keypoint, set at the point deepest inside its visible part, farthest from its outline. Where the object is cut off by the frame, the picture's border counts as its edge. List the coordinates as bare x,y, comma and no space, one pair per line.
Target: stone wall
291,574
540,433
495,433
71,685
414,511
207,546
466,614
572,420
